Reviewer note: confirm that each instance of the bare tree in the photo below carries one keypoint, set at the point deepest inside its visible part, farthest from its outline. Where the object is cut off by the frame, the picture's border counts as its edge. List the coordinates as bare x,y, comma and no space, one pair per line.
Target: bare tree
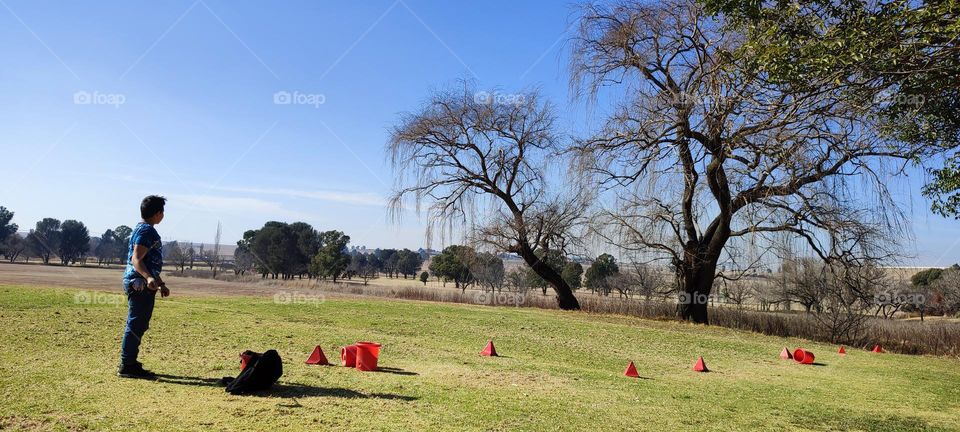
890,297
13,247
478,161
738,292
850,291
179,254
649,281
487,270
243,260
517,280
705,149
804,282
216,251
367,271
942,296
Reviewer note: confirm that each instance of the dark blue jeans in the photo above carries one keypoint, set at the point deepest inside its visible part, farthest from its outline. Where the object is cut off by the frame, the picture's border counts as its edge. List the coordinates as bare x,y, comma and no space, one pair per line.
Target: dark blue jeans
139,310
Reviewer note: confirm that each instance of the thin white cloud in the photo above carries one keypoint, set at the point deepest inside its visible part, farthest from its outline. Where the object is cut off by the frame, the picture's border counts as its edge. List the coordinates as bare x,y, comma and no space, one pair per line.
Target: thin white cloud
357,198
233,205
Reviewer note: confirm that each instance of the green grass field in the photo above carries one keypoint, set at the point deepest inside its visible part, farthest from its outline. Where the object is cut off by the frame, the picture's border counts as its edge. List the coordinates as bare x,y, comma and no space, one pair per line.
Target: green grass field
560,370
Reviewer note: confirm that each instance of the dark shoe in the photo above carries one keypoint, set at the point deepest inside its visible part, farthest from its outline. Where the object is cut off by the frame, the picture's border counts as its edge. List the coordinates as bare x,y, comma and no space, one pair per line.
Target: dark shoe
135,370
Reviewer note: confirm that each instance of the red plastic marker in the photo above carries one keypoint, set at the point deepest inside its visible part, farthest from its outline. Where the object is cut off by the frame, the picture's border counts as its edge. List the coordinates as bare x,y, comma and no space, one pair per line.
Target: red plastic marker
701,365
842,350
631,371
367,355
489,350
348,356
244,359
877,349
803,356
785,354
317,358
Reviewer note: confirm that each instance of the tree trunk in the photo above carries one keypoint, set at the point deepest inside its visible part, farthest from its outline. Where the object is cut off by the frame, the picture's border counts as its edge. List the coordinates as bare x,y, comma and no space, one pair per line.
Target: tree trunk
565,298
693,306
696,286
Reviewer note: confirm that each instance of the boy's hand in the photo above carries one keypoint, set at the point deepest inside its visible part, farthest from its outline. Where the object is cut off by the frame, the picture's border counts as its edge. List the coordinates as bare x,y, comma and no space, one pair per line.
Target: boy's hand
152,284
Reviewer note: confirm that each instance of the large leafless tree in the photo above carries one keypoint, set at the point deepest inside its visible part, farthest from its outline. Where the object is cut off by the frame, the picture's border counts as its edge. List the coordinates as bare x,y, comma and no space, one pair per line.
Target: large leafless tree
702,150
477,160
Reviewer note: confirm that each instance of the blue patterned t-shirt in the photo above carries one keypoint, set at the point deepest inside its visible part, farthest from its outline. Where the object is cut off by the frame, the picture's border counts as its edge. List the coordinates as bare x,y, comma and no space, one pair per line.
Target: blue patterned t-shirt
145,235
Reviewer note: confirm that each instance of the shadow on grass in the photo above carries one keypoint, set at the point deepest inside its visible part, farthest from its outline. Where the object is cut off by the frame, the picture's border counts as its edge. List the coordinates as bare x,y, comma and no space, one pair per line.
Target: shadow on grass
289,390
395,371
189,380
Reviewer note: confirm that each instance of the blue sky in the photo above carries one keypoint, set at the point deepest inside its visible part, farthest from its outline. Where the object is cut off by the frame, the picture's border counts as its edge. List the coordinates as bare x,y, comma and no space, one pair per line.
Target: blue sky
102,103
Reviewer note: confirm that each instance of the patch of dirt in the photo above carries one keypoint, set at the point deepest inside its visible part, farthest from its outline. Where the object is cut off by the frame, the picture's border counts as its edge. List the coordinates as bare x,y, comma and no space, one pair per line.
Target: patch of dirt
103,279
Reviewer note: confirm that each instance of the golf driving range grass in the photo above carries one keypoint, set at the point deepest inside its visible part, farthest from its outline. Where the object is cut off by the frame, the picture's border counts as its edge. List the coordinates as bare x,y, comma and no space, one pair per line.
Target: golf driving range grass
558,370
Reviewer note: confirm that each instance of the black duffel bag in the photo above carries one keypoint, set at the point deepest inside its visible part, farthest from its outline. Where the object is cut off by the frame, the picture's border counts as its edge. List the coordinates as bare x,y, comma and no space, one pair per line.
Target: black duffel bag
260,373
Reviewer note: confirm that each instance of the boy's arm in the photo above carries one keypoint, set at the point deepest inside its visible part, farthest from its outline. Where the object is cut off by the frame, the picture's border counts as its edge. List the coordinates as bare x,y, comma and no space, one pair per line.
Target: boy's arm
139,252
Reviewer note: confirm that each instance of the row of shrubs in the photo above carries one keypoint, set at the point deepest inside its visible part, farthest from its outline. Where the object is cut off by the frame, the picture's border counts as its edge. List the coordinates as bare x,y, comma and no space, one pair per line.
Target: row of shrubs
907,337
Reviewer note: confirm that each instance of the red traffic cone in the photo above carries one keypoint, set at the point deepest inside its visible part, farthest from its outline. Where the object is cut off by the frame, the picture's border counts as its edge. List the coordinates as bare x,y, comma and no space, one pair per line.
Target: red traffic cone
842,350
489,350
785,354
701,365
317,358
877,349
631,371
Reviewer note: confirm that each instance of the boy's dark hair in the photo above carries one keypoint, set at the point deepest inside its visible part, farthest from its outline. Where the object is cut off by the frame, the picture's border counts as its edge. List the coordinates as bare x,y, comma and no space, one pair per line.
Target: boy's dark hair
151,205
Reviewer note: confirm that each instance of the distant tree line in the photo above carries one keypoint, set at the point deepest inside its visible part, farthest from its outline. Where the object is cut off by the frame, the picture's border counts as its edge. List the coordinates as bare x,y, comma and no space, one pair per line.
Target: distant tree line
465,267
293,250
68,241
282,250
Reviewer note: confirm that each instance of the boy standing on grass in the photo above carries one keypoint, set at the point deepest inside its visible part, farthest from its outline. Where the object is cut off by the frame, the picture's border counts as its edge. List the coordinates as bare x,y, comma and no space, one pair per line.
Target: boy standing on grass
141,281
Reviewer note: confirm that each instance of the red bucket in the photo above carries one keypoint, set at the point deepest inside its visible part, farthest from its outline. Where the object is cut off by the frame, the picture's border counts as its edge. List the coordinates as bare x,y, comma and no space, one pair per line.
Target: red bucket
244,360
348,356
803,356
367,355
